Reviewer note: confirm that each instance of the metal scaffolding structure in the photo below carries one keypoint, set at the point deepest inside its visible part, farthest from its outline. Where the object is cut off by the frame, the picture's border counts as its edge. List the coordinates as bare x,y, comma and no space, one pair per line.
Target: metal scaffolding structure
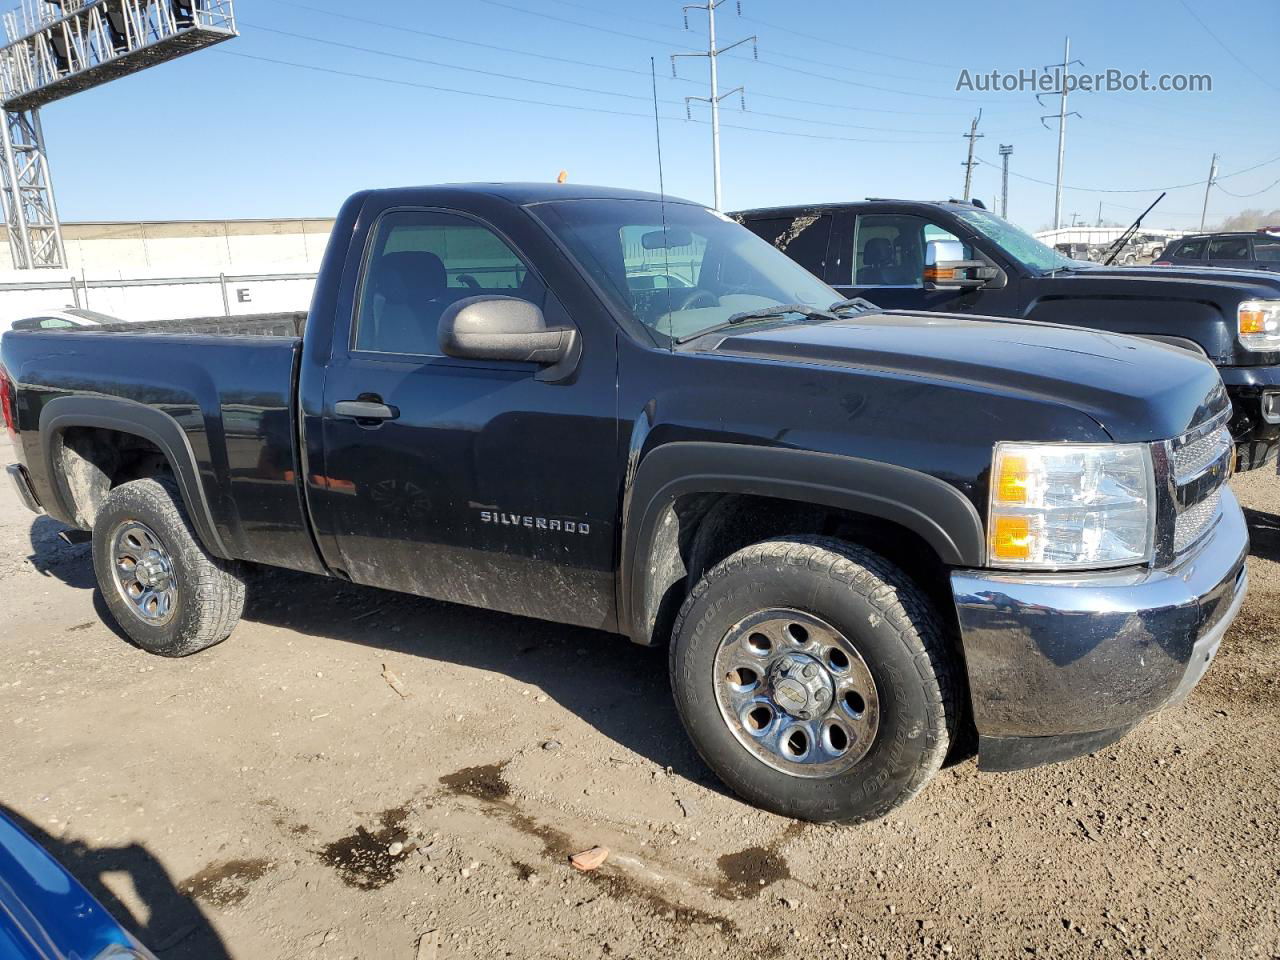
57,48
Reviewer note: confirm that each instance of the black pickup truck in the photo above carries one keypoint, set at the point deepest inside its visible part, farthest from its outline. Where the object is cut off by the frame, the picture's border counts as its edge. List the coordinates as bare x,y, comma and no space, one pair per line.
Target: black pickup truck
959,258
866,534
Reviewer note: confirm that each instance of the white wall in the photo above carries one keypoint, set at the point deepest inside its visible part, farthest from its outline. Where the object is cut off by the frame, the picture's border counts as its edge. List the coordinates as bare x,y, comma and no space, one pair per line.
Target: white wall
98,252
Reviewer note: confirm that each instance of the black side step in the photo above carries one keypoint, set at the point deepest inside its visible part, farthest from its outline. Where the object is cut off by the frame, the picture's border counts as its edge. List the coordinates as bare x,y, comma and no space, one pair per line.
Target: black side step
73,537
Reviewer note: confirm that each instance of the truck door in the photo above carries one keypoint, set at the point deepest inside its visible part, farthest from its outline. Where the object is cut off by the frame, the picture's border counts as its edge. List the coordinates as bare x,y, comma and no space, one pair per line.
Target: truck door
886,255
462,480
1229,251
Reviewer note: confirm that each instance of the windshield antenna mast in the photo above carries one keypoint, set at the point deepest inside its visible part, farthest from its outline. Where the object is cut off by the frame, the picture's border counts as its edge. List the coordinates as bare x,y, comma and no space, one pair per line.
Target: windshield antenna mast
662,197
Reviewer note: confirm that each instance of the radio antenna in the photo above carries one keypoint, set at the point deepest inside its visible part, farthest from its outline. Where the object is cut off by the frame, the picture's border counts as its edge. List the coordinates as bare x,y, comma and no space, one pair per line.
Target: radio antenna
662,205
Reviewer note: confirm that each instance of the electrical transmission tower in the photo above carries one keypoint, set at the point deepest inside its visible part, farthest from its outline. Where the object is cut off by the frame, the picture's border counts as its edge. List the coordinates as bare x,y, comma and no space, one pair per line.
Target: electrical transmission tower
56,48
1005,150
712,55
973,136
1063,89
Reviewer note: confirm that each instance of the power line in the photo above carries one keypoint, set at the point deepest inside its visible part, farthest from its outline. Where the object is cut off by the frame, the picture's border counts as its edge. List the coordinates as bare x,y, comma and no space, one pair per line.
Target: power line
1245,196
857,83
400,28
845,106
585,26
1179,186
1244,63
844,46
544,103
772,63
612,14
567,86
450,66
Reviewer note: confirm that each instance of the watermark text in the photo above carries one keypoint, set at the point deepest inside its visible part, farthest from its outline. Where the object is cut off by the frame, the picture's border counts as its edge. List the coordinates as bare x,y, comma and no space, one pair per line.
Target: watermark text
1034,80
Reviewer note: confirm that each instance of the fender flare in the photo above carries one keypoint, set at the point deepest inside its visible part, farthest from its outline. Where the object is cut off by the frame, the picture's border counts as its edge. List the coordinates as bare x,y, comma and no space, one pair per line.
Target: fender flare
131,417
933,509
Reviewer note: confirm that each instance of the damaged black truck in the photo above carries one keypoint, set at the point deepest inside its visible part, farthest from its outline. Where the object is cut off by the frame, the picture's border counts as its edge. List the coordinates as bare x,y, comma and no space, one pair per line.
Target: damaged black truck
959,258
866,536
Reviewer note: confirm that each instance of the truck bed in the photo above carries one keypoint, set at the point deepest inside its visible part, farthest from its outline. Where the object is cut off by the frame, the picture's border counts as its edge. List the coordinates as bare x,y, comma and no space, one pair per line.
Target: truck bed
229,386
250,325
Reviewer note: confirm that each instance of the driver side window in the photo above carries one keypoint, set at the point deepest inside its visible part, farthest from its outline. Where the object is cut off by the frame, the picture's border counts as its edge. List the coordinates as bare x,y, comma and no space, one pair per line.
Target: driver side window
889,249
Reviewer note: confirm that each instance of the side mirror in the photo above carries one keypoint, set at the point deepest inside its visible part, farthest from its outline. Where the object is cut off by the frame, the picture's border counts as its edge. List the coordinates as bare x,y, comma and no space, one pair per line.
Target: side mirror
945,267
507,328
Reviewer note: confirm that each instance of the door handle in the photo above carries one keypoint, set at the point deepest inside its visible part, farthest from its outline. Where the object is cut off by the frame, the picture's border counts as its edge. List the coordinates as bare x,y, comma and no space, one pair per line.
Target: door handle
364,410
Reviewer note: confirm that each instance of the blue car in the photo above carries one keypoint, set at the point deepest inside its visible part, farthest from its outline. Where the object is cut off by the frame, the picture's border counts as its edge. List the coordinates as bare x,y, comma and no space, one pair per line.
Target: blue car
46,914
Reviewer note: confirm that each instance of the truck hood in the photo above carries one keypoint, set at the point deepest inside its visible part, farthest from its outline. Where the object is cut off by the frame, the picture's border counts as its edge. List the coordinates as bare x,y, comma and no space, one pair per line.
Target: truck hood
1198,303
1137,390
1251,283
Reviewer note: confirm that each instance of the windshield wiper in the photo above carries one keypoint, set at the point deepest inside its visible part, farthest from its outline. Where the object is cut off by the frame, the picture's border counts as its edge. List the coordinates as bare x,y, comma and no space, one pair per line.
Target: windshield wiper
764,313
860,304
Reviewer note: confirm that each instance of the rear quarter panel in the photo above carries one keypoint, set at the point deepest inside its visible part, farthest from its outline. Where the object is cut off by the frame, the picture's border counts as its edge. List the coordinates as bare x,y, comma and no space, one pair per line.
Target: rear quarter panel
231,397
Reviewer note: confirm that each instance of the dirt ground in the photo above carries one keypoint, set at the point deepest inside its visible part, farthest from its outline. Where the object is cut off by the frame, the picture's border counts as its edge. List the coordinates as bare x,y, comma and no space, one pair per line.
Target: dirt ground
276,797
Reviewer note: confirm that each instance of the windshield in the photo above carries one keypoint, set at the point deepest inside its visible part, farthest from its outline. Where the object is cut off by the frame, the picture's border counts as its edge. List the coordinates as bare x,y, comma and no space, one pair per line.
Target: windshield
689,275
1016,242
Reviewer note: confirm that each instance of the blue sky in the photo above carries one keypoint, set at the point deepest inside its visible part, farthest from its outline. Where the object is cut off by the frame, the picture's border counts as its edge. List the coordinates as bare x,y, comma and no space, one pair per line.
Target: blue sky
862,96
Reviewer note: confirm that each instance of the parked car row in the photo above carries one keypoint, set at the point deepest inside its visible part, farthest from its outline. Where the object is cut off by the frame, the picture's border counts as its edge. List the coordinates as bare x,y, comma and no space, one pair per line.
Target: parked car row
1141,248
1259,250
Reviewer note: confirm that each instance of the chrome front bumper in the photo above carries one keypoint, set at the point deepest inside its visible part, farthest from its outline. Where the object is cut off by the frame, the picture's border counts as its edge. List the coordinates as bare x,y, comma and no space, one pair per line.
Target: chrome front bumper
1064,664
22,484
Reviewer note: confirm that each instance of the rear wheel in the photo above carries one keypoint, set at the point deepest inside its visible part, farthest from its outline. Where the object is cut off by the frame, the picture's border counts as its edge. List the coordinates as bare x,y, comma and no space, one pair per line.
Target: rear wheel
169,595
813,677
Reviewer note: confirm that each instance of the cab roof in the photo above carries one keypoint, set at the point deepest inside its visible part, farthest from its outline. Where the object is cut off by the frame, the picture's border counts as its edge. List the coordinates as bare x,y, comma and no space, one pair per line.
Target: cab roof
525,193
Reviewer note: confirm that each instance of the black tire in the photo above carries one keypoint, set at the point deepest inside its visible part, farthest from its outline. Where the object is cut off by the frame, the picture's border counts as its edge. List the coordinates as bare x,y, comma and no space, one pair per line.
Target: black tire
208,594
894,628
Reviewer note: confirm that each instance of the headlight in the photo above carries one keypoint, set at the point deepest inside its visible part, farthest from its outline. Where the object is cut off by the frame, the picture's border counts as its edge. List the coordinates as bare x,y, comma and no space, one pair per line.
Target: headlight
1071,505
1258,324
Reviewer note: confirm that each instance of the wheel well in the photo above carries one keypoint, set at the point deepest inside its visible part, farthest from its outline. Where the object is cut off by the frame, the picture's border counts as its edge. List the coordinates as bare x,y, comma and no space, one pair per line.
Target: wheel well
700,530
93,460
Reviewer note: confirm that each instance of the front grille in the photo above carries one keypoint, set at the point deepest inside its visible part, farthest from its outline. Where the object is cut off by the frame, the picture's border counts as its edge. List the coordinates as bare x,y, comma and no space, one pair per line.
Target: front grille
1194,522
1197,465
1193,458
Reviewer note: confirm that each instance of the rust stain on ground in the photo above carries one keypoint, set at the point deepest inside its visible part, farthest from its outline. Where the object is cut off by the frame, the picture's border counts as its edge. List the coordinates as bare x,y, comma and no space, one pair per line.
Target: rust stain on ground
482,783
363,859
745,873
486,784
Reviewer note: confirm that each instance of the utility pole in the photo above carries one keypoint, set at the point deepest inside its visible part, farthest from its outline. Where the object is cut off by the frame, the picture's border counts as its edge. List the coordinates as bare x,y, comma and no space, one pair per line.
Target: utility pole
1005,150
973,136
1099,213
1208,185
712,55
1061,115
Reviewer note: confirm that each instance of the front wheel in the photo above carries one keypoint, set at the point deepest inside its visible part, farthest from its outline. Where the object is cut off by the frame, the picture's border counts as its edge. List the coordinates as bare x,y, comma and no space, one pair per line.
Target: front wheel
165,591
813,677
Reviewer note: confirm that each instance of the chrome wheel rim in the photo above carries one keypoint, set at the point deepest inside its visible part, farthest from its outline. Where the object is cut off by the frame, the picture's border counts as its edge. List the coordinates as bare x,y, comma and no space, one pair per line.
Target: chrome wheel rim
796,693
144,573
